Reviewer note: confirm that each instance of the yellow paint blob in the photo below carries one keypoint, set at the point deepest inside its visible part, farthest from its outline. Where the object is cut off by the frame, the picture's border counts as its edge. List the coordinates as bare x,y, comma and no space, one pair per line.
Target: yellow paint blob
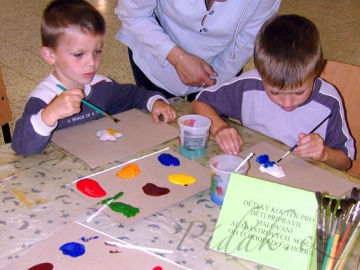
129,171
181,179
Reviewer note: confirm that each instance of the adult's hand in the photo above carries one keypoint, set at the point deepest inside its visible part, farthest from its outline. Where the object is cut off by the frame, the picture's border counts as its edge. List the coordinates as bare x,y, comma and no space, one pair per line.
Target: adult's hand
192,70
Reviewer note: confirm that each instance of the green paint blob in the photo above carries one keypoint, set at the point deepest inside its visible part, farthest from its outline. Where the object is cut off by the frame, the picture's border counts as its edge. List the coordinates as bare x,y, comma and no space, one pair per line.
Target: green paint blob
125,209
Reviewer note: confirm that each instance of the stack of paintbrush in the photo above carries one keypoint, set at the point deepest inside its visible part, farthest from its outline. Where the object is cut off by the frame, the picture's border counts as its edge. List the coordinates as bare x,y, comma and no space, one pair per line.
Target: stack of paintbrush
338,229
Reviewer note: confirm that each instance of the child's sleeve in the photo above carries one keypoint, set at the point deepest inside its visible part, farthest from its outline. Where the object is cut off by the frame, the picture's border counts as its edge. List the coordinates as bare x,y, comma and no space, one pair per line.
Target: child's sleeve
26,140
226,100
123,97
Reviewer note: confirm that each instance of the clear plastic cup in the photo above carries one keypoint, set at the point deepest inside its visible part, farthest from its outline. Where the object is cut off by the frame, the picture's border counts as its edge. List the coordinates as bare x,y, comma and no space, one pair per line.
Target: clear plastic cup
221,168
194,135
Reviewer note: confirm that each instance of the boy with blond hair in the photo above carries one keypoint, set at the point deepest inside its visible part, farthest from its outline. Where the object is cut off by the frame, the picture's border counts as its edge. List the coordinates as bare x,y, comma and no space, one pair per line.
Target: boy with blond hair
72,34
284,98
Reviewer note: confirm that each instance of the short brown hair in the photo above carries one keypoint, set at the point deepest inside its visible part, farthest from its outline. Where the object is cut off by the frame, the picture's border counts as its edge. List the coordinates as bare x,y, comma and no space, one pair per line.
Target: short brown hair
62,14
288,51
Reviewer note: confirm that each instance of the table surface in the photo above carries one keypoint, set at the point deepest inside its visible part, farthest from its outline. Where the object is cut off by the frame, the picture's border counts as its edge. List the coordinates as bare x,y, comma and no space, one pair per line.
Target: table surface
35,202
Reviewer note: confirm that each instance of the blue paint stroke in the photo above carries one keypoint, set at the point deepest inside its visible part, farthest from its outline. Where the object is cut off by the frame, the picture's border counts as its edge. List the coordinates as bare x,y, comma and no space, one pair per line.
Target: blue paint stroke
73,249
168,160
84,239
265,161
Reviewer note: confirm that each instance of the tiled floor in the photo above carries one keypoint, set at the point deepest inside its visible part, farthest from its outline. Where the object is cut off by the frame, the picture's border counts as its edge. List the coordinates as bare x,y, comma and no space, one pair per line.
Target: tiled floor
23,67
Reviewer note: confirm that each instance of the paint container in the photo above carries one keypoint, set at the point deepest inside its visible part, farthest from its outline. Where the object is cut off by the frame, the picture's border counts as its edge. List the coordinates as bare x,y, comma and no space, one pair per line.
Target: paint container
194,135
221,168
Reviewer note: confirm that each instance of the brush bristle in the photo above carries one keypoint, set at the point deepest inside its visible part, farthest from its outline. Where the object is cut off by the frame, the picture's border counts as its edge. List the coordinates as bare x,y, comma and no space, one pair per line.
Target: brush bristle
333,205
338,213
325,201
318,195
354,193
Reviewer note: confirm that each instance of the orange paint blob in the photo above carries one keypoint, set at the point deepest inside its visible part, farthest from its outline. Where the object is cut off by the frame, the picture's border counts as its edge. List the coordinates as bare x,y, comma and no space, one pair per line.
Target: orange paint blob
129,171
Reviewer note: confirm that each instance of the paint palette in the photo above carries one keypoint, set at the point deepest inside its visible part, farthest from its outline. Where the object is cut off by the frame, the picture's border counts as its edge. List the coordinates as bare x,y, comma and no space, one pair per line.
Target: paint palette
76,246
138,131
139,188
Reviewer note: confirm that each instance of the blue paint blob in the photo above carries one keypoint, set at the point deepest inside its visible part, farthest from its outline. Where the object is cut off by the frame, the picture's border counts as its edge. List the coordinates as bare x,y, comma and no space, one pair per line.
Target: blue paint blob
265,161
73,249
168,160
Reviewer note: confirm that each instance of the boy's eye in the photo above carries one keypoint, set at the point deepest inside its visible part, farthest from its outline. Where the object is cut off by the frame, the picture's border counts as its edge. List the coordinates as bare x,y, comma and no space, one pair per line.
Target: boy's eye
98,51
299,93
274,93
78,54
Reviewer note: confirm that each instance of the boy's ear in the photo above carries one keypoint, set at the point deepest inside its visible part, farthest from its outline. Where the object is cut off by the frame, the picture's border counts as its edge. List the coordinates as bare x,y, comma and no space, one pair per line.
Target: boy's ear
48,55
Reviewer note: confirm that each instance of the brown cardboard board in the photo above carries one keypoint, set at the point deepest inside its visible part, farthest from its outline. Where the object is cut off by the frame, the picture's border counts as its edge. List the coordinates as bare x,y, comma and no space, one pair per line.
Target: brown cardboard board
151,171
298,172
139,133
97,254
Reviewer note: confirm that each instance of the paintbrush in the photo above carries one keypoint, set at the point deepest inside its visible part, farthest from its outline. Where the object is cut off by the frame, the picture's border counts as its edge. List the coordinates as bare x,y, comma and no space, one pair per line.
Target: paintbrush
243,162
92,106
335,234
130,246
348,247
320,233
293,148
325,202
332,212
346,228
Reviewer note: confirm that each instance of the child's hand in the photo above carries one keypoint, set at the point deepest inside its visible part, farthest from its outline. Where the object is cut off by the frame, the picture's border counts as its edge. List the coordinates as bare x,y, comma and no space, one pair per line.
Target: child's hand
64,105
229,140
311,146
160,108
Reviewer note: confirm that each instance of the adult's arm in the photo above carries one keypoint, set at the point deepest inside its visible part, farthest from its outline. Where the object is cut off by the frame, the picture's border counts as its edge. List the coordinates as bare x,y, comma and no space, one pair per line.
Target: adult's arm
138,19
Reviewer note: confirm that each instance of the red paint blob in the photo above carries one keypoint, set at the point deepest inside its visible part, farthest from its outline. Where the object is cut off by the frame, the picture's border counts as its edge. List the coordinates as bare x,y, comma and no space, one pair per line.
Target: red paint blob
90,188
157,268
153,190
42,266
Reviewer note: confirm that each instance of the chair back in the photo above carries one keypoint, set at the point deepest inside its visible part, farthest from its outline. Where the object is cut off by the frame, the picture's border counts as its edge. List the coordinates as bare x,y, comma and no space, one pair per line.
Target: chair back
346,78
5,113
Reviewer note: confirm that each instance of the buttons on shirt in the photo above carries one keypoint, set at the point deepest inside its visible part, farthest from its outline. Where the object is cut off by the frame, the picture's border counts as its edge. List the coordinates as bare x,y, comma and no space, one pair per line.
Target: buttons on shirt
204,29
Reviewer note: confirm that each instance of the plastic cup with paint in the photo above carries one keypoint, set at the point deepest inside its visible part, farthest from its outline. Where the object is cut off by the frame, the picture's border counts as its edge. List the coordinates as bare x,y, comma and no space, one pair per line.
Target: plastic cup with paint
194,135
221,168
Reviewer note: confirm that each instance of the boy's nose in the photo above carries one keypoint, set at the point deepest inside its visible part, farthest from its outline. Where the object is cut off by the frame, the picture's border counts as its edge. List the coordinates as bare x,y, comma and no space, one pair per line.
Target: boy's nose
91,60
287,101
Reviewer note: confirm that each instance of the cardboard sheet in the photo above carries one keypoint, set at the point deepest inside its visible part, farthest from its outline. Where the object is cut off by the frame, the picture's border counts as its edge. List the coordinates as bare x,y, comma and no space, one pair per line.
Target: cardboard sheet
151,171
298,172
139,133
97,254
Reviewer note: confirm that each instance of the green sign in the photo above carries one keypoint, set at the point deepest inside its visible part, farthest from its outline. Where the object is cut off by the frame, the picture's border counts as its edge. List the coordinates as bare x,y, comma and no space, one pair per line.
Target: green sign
267,223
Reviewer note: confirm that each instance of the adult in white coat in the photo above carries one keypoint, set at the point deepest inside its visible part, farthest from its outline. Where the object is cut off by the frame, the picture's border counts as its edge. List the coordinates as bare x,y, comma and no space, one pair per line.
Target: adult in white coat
181,46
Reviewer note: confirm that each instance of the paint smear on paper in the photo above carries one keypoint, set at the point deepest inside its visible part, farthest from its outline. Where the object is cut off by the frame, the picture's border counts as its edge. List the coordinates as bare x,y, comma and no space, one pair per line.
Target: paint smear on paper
153,190
73,249
87,239
20,195
270,167
181,179
90,188
129,171
42,266
168,160
126,209
108,135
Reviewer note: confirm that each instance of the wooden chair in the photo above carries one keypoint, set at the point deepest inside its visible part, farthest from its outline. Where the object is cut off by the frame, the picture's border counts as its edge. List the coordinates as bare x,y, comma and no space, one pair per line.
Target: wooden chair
346,78
5,112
